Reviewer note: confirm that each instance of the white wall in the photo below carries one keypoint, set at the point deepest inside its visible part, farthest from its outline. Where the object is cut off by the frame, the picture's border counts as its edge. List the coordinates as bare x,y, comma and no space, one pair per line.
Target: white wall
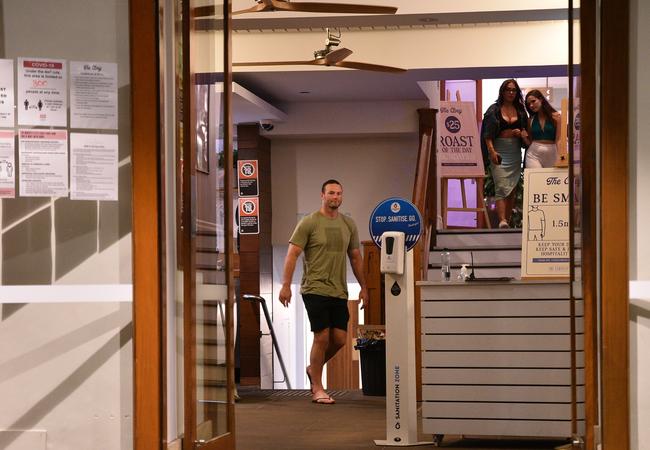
639,219
66,373
640,137
330,119
370,170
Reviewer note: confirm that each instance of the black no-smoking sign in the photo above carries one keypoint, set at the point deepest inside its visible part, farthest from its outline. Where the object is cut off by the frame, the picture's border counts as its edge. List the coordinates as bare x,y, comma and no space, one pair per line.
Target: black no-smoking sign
249,216
248,178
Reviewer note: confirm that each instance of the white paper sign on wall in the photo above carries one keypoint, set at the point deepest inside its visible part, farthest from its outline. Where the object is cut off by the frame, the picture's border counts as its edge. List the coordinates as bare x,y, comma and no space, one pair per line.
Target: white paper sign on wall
7,164
43,168
42,92
93,95
7,118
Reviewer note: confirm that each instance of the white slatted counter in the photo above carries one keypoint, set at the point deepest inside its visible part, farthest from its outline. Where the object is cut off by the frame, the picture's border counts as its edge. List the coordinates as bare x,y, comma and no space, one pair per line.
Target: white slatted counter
497,359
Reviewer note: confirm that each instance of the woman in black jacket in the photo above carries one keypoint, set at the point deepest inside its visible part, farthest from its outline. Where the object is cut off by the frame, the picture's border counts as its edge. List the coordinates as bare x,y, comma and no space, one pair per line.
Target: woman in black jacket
504,126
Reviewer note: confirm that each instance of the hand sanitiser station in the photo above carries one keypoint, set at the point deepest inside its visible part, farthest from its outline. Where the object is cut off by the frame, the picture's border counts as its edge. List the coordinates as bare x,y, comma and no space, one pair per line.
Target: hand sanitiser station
395,226
392,253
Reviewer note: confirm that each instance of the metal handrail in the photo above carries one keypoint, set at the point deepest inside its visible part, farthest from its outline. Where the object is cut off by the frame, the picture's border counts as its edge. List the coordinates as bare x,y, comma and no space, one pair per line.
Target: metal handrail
260,300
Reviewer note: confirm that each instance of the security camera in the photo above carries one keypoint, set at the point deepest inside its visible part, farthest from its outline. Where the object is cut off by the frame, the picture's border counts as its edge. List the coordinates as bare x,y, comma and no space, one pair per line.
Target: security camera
266,124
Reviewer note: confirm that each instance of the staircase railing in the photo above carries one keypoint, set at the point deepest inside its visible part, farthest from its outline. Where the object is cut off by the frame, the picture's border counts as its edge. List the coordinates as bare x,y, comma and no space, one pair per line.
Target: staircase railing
425,189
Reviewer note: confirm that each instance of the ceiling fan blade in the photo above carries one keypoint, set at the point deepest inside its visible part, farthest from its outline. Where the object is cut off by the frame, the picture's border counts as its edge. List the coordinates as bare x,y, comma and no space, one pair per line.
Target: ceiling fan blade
260,7
210,10
323,62
371,67
275,63
338,8
257,8
337,56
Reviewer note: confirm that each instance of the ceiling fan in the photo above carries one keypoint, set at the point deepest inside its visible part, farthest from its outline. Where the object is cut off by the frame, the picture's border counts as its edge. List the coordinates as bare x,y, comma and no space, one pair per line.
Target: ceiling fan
310,7
327,57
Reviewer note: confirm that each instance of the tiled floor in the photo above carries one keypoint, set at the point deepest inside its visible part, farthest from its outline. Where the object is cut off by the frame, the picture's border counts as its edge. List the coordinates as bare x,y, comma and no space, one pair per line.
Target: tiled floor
279,420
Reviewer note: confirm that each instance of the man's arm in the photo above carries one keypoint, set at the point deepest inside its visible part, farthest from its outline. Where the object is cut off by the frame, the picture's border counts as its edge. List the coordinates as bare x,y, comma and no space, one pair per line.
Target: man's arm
356,261
287,274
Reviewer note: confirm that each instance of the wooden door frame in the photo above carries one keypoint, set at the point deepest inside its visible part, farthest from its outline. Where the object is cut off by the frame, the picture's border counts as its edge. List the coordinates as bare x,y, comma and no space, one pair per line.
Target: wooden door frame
613,211
589,248
148,398
147,308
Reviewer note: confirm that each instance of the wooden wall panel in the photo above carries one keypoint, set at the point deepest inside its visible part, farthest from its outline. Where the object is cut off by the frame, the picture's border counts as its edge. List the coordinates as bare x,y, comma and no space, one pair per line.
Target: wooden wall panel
375,314
255,253
343,368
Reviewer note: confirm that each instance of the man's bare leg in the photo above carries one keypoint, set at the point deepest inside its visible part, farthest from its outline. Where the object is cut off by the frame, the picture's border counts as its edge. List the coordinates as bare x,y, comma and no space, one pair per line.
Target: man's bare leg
326,343
337,340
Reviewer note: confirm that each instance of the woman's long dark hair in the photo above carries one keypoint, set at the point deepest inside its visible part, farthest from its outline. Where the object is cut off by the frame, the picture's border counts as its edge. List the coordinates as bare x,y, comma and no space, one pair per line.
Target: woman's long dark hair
519,99
546,108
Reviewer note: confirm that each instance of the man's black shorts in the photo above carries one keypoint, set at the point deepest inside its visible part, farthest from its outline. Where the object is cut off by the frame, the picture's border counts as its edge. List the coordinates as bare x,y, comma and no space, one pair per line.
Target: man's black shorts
326,312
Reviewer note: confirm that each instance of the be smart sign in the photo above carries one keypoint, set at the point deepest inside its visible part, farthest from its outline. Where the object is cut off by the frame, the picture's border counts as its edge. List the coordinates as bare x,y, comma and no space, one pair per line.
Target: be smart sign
396,214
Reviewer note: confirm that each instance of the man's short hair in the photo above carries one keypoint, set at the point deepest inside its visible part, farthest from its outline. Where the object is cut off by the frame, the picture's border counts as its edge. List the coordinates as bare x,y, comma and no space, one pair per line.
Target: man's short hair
331,181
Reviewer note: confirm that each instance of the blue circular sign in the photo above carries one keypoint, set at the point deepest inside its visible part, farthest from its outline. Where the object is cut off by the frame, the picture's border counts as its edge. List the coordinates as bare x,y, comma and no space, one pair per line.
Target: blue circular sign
396,214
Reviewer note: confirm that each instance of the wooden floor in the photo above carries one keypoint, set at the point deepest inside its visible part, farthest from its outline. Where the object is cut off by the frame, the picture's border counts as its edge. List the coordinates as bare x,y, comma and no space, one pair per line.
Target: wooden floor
287,420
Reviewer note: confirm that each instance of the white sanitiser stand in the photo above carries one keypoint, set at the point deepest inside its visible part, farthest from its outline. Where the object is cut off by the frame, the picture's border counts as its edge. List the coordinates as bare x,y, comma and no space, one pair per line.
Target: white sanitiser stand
401,399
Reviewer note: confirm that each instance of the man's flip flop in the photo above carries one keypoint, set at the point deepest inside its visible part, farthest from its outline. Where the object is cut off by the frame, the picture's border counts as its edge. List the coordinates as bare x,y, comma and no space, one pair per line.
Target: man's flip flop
324,401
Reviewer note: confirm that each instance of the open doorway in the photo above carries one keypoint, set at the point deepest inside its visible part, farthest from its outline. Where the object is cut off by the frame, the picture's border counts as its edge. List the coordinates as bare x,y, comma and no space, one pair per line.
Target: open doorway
332,115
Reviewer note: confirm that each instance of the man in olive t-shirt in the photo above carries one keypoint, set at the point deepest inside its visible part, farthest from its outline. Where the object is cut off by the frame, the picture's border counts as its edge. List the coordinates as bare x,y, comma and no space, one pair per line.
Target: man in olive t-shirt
327,238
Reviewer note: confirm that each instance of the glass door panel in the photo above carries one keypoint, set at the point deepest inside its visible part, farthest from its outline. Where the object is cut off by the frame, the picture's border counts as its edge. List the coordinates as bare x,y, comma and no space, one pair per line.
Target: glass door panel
209,356
211,300
66,224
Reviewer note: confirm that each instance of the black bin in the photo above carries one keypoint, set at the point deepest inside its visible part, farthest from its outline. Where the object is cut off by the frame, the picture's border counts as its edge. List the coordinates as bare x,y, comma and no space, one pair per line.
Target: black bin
373,366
